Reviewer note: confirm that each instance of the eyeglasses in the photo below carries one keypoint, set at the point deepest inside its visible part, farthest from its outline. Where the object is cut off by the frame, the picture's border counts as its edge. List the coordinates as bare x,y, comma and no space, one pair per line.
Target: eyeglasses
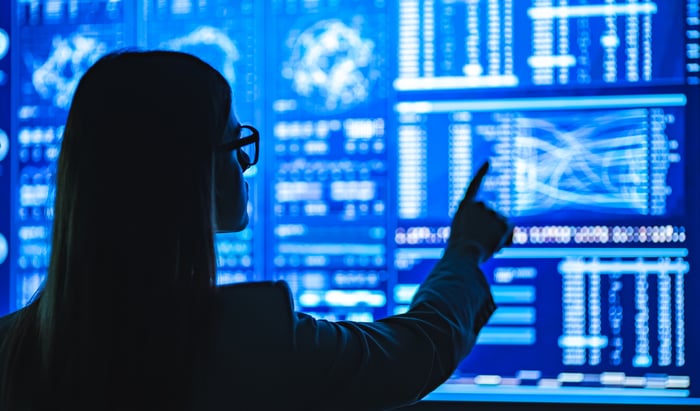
245,148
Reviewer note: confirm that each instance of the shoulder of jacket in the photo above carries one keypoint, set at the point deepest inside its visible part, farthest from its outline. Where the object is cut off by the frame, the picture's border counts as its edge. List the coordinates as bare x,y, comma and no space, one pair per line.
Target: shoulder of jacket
256,304
256,292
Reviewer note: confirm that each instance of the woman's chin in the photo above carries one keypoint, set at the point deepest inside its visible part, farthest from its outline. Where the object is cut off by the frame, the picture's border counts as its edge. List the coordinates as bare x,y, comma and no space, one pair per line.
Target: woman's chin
243,223
233,225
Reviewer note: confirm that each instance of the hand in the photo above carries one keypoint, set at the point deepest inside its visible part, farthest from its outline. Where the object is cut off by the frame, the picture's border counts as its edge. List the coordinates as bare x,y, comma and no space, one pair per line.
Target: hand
477,227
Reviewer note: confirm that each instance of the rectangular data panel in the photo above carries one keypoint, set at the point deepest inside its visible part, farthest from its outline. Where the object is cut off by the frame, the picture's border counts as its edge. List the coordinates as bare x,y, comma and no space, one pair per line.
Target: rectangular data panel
592,158
592,296
226,35
592,324
58,41
531,43
5,157
328,183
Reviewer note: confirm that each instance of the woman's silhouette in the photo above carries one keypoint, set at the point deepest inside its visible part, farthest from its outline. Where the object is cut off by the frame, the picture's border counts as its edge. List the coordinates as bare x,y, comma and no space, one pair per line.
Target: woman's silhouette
129,317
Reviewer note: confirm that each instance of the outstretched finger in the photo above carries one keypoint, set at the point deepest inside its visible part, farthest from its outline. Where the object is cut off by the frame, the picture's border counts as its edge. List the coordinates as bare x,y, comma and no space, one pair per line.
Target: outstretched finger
476,182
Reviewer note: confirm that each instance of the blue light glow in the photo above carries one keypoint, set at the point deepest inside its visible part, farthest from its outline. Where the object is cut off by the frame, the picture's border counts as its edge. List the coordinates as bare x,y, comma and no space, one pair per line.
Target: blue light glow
374,115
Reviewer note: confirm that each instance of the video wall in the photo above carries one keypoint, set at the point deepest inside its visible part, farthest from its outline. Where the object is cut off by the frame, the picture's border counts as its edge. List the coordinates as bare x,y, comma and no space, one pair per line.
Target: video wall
374,115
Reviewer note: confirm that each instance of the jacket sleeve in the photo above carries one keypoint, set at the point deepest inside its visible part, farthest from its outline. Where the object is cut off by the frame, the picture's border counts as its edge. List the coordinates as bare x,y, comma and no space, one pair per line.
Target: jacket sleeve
397,360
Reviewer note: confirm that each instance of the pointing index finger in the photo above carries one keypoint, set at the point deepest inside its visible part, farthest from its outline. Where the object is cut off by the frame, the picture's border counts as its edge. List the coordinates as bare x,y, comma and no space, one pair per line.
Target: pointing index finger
476,182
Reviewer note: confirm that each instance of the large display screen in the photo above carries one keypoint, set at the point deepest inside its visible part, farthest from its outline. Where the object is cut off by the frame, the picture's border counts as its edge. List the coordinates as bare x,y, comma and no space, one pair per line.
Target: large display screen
374,115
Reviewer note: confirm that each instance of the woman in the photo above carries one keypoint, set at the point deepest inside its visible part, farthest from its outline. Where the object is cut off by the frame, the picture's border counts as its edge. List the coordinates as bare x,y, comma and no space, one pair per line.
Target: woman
151,166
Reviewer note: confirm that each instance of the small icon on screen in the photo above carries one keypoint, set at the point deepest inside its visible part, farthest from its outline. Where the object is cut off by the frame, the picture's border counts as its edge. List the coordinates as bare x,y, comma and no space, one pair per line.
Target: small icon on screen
4,144
3,248
4,43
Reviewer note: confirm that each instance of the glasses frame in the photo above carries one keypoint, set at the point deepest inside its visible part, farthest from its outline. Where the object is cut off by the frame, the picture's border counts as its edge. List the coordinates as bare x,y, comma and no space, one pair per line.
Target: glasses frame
243,159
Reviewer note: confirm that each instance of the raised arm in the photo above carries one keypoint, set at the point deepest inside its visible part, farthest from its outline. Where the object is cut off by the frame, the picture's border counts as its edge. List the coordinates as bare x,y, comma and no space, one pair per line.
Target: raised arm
398,360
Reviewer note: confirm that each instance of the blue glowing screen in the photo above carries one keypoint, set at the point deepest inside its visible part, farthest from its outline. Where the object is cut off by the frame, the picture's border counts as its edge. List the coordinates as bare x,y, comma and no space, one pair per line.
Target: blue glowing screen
374,116
5,132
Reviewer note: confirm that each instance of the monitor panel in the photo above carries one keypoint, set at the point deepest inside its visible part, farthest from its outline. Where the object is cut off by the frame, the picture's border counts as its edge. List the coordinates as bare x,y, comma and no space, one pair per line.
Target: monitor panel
374,115
328,155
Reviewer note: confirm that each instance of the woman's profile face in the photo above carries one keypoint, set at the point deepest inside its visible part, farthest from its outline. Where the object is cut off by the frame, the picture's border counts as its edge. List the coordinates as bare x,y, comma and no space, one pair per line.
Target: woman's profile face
231,188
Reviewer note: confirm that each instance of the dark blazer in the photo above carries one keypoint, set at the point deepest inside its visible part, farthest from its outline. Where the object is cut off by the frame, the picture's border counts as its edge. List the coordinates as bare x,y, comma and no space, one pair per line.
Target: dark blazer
265,356
262,355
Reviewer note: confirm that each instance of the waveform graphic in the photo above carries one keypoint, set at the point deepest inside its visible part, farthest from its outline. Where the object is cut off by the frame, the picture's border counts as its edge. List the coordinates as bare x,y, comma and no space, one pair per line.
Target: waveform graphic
331,63
209,37
599,161
57,78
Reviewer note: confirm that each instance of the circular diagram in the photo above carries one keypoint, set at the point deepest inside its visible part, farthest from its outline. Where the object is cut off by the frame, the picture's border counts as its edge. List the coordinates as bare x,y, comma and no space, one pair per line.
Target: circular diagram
331,66
57,78
202,42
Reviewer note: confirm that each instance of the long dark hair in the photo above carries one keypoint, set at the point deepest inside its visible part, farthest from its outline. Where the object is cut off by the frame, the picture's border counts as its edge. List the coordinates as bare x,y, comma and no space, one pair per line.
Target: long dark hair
132,257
